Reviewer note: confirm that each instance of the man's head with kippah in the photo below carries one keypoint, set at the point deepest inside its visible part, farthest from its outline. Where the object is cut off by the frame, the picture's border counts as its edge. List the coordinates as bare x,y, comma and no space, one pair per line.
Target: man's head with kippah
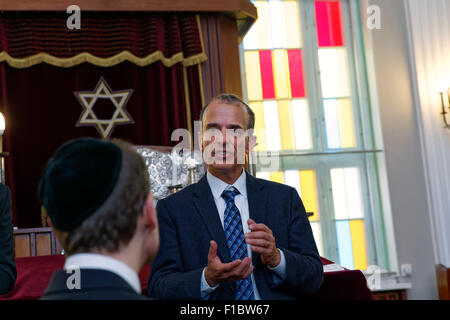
96,194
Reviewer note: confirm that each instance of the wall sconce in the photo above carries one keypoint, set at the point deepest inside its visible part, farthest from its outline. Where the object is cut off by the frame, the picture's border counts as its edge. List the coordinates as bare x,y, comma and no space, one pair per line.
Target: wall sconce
444,113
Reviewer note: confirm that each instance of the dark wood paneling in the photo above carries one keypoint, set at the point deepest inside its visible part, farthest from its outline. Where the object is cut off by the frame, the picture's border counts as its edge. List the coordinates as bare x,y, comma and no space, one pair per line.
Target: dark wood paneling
212,69
443,281
230,56
132,5
22,245
43,244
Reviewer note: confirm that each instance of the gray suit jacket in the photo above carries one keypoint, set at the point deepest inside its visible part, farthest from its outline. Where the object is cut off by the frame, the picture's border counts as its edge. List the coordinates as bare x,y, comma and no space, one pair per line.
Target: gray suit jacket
188,220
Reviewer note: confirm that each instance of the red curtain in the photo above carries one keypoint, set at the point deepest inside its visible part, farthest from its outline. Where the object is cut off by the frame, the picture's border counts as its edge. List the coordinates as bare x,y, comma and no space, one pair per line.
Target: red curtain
102,34
42,110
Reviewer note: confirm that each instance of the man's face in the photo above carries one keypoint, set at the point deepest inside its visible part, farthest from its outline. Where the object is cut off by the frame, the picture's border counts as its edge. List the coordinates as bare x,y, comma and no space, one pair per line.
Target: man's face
224,141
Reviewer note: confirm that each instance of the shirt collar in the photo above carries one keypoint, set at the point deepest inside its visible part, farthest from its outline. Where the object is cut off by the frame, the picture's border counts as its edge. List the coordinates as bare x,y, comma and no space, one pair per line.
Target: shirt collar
98,261
218,186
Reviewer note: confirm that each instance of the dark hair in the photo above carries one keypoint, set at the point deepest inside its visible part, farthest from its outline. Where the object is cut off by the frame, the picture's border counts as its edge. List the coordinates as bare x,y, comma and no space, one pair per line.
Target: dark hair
114,223
235,100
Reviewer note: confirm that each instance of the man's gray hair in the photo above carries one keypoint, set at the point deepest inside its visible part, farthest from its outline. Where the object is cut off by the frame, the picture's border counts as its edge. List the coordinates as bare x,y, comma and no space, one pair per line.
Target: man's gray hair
232,99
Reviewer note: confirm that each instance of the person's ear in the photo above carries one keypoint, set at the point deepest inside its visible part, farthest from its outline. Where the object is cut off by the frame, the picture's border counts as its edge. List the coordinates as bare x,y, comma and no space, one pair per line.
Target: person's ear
150,213
49,222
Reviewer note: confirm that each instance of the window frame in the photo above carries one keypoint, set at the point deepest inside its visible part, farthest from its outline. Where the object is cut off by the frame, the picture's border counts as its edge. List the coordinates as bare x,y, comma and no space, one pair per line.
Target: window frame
321,158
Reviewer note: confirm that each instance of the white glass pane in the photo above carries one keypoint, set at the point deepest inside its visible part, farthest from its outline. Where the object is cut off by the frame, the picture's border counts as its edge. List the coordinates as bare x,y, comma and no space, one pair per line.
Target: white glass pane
272,125
263,175
277,23
345,244
353,190
263,25
292,178
292,24
251,38
332,123
339,193
302,128
317,236
334,73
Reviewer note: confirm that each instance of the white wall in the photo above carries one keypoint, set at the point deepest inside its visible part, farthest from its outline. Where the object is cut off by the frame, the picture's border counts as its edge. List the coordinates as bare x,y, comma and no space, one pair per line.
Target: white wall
429,28
392,84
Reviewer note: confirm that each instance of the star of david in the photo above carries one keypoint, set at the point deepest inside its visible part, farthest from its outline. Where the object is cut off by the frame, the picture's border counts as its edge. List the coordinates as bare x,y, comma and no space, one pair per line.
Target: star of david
119,99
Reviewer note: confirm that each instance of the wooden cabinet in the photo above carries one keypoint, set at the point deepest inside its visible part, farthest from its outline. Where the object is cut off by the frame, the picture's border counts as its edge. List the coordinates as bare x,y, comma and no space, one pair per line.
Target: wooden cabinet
443,281
390,295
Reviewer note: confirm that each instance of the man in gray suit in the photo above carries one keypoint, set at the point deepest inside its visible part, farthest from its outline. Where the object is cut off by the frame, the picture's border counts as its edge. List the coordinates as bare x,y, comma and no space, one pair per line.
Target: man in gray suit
231,235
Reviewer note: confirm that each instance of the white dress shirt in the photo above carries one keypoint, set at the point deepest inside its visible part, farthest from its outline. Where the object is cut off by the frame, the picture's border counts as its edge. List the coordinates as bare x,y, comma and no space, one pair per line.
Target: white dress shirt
241,201
98,261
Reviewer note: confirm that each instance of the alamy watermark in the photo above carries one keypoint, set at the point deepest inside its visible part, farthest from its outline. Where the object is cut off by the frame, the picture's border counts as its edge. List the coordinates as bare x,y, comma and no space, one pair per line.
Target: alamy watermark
228,147
373,17
74,280
373,277
74,20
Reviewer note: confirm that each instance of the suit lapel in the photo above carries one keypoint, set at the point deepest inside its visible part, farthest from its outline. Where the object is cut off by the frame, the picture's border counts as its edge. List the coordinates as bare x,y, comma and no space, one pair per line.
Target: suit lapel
256,204
207,209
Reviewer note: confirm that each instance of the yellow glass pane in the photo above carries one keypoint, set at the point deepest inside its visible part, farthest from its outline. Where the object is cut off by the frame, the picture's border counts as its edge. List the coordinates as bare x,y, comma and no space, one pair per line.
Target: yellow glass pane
286,127
346,126
277,176
358,244
260,127
281,73
309,193
292,24
253,75
263,24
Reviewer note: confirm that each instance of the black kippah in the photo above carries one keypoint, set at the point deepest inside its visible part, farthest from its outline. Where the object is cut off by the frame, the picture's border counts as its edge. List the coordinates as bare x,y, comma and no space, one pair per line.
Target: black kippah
78,179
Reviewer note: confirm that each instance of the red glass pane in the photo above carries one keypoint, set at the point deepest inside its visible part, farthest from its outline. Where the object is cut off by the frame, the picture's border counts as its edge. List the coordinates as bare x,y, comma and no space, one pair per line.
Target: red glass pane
296,73
265,60
329,23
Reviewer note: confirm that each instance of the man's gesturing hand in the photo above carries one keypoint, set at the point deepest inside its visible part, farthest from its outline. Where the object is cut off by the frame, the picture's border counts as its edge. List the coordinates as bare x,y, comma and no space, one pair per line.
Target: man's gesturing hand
216,271
261,240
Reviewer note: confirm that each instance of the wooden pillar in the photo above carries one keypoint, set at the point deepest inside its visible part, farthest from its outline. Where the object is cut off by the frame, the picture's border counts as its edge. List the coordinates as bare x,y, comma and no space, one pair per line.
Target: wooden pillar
230,55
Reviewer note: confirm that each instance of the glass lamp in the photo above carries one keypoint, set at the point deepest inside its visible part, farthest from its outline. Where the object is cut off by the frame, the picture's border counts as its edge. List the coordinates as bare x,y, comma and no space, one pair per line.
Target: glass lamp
2,129
2,124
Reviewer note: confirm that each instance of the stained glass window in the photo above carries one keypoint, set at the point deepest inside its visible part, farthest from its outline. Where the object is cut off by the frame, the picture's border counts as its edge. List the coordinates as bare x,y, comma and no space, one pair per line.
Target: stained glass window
329,23
349,215
298,73
308,194
274,74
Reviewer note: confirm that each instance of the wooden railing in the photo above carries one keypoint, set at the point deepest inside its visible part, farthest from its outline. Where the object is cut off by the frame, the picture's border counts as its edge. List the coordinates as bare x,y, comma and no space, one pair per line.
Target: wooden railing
35,242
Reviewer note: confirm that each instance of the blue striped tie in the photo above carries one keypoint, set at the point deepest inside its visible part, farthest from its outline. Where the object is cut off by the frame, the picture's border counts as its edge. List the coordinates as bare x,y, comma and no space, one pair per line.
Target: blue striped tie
236,243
